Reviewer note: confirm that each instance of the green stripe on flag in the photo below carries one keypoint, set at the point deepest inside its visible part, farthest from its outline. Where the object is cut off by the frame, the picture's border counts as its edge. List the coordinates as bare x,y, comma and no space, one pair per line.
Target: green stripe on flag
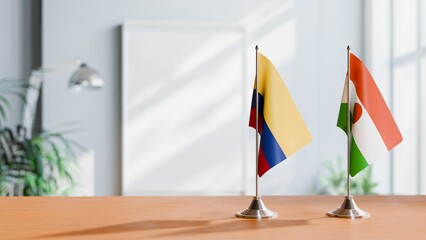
342,120
358,162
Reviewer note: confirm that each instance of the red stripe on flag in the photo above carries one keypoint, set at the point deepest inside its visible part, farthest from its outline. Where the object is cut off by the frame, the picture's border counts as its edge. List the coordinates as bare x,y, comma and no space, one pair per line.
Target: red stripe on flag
252,121
263,165
373,102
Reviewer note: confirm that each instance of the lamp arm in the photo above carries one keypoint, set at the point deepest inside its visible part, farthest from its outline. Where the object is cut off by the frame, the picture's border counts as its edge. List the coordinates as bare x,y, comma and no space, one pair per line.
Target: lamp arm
84,76
48,71
33,93
32,97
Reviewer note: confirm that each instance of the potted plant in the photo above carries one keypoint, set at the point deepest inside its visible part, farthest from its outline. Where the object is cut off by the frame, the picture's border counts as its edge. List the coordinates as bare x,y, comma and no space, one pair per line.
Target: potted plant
333,180
41,164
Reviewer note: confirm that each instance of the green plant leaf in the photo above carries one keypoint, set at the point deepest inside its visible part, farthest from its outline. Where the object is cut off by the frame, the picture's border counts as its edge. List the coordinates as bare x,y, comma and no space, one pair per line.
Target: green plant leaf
2,113
334,180
5,101
47,160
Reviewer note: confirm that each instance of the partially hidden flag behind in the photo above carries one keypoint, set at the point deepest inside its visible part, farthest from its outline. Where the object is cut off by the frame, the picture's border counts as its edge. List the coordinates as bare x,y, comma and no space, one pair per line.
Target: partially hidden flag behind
374,131
281,127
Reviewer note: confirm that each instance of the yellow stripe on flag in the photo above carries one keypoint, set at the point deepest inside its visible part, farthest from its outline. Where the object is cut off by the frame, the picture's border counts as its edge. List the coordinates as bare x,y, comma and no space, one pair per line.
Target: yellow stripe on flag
280,111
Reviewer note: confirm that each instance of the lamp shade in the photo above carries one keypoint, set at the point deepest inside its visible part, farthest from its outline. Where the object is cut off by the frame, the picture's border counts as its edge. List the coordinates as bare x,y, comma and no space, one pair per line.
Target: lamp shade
86,77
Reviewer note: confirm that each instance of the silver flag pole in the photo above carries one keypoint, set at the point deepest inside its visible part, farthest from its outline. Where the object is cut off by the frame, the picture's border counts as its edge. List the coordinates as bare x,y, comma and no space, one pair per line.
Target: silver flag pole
257,208
348,209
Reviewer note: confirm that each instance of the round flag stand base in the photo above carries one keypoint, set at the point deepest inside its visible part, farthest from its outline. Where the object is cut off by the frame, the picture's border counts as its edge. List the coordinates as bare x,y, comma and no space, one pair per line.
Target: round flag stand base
257,209
349,209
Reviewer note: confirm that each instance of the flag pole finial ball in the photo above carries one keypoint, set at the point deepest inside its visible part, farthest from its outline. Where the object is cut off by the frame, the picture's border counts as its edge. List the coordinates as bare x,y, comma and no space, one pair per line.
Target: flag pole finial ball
257,47
349,48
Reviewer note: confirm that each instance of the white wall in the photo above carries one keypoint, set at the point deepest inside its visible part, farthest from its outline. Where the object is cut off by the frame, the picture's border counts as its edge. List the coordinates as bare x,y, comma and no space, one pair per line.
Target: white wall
305,39
15,47
400,80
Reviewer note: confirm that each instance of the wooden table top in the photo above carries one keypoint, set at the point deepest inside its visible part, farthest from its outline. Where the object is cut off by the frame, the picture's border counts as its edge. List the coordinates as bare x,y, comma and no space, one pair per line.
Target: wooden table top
300,217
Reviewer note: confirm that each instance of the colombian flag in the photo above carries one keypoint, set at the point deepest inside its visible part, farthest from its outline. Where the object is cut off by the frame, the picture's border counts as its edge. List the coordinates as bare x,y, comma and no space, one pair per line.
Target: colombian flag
281,126
374,131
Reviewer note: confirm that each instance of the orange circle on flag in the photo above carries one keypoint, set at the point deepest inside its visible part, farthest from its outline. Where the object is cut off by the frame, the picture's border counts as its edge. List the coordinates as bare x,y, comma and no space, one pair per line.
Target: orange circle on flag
357,112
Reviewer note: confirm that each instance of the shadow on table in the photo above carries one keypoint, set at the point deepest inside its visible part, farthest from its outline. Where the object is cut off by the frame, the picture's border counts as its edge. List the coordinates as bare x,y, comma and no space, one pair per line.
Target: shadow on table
194,226
238,225
130,227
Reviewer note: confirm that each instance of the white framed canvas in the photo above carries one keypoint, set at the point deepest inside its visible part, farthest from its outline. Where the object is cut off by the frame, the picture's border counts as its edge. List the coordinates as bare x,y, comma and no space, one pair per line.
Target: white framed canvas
184,105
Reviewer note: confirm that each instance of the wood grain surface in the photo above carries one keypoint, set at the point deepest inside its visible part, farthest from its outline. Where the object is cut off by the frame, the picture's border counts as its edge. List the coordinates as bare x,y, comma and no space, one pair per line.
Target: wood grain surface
300,217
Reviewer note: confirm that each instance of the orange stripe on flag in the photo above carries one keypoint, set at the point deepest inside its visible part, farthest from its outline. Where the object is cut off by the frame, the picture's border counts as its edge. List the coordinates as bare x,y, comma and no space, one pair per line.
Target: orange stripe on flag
372,100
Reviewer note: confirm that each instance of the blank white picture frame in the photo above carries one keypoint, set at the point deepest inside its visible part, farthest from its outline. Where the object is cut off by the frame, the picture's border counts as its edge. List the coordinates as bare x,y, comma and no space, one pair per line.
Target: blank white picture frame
184,104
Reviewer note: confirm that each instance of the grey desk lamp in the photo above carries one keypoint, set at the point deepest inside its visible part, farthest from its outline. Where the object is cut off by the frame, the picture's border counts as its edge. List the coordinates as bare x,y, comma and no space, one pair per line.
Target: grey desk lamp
84,77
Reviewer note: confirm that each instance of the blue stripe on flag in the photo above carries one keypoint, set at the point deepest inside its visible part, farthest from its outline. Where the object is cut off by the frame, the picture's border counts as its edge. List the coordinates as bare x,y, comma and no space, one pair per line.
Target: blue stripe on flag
270,147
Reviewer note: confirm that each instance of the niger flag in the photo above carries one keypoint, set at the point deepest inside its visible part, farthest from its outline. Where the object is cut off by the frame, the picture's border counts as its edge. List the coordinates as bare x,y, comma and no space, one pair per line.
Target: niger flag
374,131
